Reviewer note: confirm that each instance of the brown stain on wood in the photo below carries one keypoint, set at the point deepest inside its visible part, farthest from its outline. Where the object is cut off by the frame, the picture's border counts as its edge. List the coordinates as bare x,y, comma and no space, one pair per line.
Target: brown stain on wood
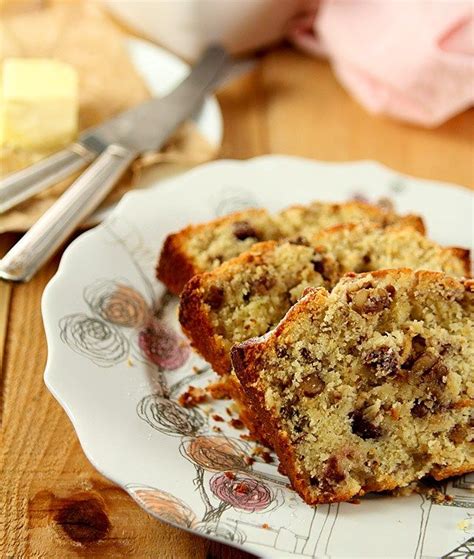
81,517
83,520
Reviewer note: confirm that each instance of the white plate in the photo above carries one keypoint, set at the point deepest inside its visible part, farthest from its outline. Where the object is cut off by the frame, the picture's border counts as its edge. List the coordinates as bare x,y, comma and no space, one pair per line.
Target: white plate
162,71
112,373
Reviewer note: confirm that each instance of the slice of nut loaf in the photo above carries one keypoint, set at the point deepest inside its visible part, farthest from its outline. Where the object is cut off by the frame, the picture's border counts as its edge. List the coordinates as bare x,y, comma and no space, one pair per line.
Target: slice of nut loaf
370,387
248,295
203,247
366,248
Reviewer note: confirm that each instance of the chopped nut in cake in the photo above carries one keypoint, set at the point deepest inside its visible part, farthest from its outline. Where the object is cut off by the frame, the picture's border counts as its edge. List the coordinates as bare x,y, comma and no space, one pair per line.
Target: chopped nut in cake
204,247
400,357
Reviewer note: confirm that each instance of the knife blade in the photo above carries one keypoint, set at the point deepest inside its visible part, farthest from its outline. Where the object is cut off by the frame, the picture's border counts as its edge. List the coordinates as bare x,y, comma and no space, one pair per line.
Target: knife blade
147,126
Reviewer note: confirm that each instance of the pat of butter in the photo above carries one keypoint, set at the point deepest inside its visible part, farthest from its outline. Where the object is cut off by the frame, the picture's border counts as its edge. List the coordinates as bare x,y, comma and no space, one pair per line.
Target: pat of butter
38,103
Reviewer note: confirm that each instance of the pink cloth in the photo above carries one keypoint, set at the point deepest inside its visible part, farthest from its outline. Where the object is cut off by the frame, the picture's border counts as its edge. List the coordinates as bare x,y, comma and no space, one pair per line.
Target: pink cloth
410,59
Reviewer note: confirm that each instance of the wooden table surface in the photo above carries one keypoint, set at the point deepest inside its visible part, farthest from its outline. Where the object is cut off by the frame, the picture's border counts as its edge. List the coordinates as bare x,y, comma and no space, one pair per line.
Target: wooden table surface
54,504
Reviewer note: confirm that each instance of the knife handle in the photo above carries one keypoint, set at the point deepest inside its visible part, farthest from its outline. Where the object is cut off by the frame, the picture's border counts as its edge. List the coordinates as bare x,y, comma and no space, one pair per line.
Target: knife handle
60,220
24,184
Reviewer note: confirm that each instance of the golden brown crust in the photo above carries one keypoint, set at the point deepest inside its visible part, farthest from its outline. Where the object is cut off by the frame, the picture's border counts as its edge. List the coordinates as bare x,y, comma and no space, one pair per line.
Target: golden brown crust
247,414
464,255
414,221
248,360
194,319
244,357
423,277
340,227
443,473
354,226
174,267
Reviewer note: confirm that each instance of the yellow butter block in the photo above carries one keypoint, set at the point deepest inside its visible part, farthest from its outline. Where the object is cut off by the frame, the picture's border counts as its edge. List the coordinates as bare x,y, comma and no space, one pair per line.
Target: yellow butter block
38,103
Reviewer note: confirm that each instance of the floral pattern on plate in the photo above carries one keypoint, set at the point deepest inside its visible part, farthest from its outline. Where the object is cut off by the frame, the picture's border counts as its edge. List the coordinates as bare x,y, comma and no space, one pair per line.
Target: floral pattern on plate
119,363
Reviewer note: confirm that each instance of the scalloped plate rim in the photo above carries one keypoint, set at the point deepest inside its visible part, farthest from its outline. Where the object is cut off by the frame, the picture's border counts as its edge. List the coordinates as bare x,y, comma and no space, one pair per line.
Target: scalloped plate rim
51,367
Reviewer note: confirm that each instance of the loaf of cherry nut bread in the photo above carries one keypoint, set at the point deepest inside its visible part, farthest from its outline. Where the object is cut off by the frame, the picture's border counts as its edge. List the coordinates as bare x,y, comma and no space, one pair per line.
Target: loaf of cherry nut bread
200,248
369,387
248,295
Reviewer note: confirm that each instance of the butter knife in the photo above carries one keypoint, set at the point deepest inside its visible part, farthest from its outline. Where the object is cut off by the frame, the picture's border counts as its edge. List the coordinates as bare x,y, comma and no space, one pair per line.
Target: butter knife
112,147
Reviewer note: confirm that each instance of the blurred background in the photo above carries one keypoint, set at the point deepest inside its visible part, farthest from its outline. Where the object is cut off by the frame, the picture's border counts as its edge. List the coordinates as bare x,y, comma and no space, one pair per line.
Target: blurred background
336,80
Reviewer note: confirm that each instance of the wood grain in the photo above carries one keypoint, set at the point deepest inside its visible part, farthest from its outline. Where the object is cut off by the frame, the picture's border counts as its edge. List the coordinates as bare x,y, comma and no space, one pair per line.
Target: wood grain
308,113
54,504
243,106
6,241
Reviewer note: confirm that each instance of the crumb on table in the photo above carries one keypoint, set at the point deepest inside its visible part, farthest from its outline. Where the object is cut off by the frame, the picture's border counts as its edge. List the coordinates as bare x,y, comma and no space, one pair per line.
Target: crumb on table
236,423
218,390
249,460
263,453
192,397
463,524
247,437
